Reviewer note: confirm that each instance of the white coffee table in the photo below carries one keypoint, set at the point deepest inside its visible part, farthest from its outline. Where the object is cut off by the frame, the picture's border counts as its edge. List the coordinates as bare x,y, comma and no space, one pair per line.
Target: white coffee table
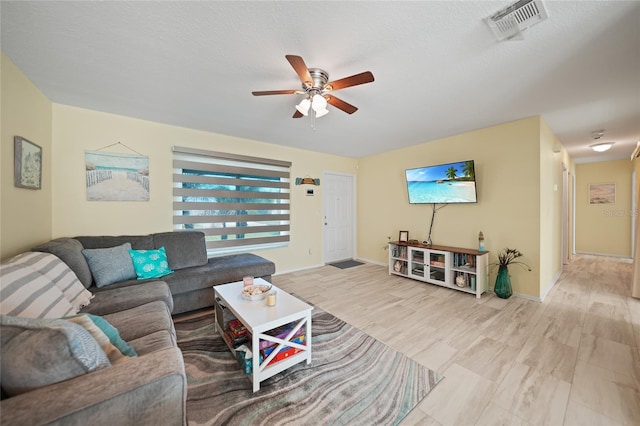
259,318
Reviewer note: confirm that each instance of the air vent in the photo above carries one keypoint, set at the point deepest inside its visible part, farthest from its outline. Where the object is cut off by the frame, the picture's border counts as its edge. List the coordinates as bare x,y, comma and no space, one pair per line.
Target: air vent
508,23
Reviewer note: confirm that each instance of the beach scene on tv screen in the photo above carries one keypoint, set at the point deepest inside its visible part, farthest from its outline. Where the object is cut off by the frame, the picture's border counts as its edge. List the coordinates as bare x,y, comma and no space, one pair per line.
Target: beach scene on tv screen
445,183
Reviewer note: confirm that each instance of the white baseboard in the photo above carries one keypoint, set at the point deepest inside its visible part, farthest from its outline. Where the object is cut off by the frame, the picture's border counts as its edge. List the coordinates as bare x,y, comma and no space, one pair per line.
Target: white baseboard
298,269
550,286
604,254
527,297
375,262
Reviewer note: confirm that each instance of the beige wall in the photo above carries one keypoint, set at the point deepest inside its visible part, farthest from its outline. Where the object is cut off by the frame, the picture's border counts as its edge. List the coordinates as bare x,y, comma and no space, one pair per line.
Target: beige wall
515,169
508,174
25,214
76,130
604,228
550,207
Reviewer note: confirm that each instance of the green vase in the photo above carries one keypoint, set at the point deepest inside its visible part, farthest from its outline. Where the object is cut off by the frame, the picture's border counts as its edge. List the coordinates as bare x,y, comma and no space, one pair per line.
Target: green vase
502,288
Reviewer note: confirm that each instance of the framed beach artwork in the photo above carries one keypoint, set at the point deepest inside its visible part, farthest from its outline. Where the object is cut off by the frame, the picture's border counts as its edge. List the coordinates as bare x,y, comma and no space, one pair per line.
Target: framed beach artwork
27,170
116,177
602,193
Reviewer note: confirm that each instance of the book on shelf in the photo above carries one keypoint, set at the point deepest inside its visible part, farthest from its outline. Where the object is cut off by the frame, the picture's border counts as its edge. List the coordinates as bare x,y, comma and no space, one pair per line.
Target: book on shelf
463,260
400,251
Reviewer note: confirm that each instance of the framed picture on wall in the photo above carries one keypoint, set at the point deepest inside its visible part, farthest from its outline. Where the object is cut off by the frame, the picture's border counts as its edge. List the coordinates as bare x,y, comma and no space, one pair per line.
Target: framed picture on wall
112,176
602,193
404,236
27,159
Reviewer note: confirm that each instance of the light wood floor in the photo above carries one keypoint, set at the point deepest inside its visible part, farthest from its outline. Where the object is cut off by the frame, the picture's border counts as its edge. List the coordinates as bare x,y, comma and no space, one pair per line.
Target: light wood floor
573,359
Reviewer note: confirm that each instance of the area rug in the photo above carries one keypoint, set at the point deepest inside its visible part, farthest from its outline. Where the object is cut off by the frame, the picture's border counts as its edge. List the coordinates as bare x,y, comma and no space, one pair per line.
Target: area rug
353,380
346,264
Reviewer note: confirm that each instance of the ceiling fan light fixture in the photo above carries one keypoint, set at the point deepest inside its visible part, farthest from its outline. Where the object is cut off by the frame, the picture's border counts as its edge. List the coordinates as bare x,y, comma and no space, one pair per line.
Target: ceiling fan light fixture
303,106
601,147
318,103
315,85
321,113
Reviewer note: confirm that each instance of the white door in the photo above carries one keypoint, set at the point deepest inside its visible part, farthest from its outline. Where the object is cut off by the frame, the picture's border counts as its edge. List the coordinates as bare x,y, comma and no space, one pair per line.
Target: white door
338,202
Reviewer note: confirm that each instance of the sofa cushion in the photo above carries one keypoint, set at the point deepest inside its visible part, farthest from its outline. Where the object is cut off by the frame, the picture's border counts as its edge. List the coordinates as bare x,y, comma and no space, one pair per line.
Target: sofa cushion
63,277
219,270
142,321
25,292
40,352
138,242
184,248
153,342
150,263
69,250
110,265
120,297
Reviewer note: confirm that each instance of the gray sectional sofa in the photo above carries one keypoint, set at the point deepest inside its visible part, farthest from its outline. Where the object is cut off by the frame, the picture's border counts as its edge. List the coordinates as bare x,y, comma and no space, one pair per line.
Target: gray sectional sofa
41,289
195,275
54,372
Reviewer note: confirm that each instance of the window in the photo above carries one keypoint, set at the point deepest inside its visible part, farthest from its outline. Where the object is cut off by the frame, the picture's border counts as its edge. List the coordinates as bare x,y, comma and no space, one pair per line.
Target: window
239,202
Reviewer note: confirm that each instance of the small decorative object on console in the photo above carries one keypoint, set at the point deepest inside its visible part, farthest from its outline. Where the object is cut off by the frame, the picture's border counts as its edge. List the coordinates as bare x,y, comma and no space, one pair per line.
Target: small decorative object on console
403,236
397,266
460,281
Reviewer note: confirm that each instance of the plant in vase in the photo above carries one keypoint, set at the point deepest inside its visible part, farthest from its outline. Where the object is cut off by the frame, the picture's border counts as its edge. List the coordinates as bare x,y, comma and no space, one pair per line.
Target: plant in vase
507,257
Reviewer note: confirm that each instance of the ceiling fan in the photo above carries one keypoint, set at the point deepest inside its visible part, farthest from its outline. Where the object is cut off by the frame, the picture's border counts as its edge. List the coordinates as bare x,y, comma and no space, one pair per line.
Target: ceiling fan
317,89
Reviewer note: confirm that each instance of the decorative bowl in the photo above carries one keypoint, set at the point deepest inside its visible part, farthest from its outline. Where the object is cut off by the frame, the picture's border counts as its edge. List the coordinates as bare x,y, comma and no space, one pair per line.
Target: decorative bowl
255,292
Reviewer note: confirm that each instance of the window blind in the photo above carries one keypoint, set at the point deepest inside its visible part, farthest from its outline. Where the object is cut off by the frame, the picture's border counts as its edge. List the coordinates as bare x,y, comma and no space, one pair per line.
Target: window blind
239,202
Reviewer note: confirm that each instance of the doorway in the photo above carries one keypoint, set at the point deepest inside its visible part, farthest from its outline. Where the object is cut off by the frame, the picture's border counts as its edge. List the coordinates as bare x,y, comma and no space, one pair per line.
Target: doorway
339,216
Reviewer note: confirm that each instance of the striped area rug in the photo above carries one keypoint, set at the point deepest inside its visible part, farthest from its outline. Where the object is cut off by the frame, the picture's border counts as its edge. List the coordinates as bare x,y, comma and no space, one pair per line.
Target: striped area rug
353,380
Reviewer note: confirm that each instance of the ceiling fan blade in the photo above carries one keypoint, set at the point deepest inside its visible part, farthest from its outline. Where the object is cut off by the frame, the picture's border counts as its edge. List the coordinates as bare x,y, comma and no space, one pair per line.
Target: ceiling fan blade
275,92
354,80
301,68
297,114
340,104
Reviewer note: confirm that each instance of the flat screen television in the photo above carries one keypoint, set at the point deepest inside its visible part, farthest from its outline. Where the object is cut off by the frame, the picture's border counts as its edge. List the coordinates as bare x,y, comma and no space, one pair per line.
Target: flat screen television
442,183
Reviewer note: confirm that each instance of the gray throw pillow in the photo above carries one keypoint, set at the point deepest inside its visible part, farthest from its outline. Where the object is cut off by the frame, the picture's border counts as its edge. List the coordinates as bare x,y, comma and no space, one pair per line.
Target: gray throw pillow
110,265
41,352
70,252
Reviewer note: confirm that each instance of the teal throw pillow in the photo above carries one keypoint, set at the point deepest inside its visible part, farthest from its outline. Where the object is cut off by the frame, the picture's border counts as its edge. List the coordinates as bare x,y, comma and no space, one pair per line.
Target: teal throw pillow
150,263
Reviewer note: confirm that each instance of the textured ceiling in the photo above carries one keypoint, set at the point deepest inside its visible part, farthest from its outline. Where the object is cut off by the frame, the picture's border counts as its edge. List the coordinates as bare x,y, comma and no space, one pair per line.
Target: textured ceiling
438,69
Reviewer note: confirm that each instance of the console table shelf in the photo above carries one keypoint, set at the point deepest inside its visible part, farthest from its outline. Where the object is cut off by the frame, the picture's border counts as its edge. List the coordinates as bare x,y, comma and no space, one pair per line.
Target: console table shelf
461,269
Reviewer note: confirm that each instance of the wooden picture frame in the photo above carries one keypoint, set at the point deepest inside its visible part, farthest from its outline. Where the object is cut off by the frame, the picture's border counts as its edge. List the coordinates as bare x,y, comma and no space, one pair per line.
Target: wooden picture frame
602,193
27,160
403,236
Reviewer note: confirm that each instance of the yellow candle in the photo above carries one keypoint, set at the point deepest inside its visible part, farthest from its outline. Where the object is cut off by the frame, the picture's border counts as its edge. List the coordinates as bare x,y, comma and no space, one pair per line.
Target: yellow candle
271,298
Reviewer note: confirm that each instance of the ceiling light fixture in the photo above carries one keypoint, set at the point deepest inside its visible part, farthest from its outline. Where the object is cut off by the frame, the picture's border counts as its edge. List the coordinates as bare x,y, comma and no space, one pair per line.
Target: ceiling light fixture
597,135
303,106
316,102
601,147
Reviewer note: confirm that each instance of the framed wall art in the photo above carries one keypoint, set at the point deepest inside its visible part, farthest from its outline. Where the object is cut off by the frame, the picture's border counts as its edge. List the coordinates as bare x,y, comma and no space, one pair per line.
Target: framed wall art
116,177
602,193
27,169
403,236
